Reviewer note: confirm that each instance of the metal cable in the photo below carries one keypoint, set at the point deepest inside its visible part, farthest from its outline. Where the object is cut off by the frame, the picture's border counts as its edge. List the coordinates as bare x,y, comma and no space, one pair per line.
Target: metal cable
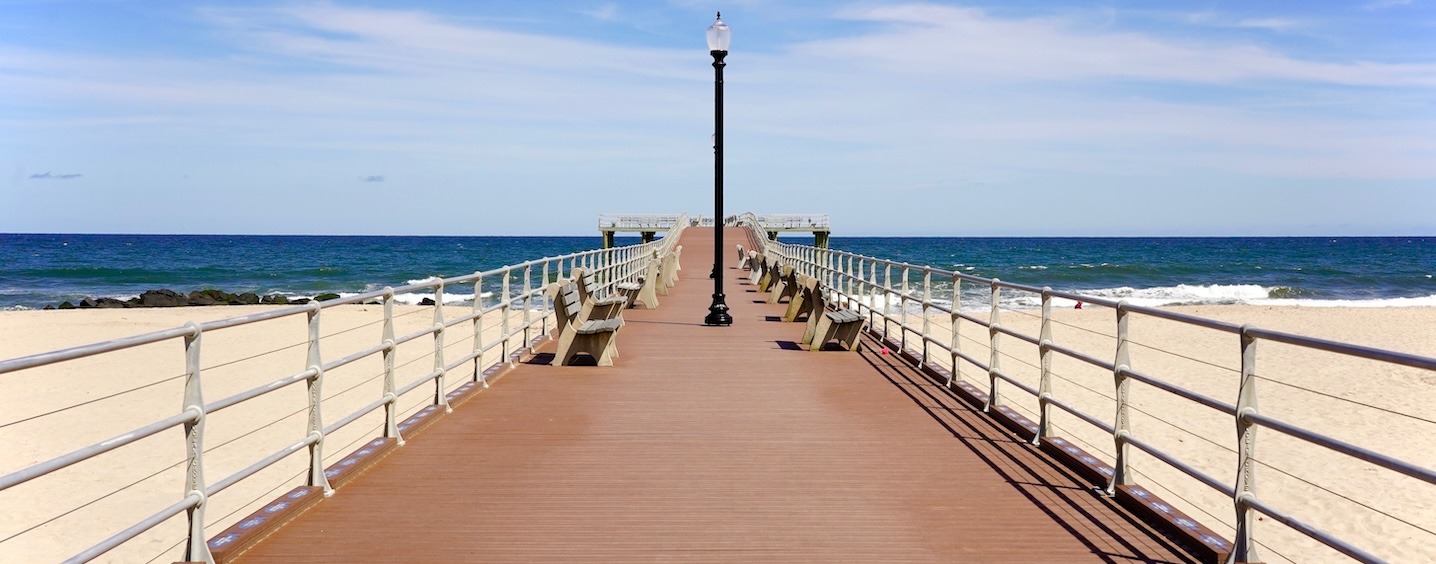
1350,401
1180,428
94,501
88,402
1327,490
1080,385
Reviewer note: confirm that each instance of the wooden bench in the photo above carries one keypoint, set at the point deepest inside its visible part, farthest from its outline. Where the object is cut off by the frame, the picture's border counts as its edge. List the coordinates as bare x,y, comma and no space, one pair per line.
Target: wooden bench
843,325
668,270
771,270
801,305
785,286
595,304
576,334
647,293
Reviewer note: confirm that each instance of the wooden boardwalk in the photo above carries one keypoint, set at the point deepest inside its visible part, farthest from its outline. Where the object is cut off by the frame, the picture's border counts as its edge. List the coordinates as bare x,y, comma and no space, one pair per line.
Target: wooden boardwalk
717,444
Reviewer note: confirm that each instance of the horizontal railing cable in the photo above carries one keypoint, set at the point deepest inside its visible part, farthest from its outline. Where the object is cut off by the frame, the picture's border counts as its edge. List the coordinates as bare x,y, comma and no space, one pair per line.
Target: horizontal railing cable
1279,470
1347,400
90,401
93,501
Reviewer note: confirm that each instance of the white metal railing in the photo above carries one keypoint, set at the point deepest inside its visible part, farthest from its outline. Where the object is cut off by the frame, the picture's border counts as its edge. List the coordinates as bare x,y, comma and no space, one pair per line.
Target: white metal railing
520,314
640,221
898,299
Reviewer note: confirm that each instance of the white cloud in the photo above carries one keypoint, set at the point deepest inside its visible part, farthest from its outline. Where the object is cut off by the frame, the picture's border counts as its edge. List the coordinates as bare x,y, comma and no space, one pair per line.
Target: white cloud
969,42
604,13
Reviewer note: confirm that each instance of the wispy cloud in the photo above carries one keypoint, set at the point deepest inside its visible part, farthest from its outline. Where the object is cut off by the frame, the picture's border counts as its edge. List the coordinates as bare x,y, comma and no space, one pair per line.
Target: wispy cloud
374,178
970,42
1375,5
604,13
51,176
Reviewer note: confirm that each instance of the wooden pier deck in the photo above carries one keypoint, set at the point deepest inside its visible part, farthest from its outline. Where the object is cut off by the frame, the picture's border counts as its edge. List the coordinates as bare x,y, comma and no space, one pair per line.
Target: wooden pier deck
717,444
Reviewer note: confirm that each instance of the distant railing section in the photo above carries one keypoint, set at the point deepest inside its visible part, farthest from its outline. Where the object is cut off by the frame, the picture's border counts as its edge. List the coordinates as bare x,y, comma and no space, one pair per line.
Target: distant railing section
898,299
522,310
640,221
805,221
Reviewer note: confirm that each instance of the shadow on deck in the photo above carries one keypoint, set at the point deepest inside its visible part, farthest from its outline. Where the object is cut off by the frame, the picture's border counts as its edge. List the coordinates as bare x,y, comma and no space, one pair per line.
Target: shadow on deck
707,443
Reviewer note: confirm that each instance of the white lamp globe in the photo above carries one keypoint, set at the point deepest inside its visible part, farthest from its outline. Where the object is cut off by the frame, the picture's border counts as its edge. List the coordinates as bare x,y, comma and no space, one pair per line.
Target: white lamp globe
718,35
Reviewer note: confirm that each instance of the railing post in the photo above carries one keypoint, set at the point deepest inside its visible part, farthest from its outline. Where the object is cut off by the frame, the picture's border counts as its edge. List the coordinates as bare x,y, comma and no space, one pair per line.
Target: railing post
391,399
926,304
1044,384
504,312
543,299
902,306
887,296
528,303
956,336
872,294
1121,425
196,549
479,329
439,381
994,359
1243,546
316,396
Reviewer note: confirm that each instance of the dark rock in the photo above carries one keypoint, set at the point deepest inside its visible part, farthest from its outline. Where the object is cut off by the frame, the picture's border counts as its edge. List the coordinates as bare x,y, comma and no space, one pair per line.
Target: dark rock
219,296
201,299
274,299
426,301
87,303
326,297
111,303
162,298
67,305
299,301
51,306
248,298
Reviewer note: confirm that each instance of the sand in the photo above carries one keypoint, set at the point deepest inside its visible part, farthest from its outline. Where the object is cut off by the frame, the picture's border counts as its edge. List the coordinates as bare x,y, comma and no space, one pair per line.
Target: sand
1323,392
112,398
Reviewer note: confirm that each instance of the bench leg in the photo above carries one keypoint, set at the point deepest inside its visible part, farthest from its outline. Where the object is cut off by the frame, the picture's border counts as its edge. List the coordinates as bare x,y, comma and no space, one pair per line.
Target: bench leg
821,334
563,353
795,306
849,334
812,327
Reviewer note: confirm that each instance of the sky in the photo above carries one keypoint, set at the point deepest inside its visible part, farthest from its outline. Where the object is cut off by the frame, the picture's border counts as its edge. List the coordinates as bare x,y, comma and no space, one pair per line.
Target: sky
512,117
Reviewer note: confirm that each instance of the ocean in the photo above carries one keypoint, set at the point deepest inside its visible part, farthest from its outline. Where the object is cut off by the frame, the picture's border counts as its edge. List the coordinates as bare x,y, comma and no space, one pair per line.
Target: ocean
45,269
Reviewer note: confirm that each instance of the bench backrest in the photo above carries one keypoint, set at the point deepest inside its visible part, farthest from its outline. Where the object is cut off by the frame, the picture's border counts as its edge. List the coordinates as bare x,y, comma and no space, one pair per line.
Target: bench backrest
569,303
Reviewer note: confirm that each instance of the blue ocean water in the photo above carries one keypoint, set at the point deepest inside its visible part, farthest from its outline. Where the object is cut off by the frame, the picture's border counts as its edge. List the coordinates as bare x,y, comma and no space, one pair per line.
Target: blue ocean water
44,269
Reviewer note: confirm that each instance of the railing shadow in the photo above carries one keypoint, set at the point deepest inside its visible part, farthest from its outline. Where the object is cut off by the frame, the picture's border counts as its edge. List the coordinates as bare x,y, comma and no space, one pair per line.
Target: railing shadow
1038,478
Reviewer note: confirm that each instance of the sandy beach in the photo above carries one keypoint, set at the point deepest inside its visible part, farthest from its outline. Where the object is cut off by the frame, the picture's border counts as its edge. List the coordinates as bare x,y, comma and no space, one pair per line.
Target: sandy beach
1387,409
128,389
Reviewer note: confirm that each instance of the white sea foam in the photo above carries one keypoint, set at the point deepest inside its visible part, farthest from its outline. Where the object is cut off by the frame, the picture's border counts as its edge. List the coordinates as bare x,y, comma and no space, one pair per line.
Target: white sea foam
425,280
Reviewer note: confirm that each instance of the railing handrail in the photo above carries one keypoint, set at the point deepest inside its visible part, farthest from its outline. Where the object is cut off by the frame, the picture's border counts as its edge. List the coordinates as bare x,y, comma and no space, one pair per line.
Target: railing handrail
610,266
861,287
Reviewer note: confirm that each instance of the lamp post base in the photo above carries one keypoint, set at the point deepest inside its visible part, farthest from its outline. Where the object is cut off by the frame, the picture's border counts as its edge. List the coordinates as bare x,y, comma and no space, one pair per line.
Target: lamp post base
718,312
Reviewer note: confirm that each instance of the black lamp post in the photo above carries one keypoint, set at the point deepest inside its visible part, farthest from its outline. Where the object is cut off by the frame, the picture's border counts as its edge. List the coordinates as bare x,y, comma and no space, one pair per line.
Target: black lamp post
718,40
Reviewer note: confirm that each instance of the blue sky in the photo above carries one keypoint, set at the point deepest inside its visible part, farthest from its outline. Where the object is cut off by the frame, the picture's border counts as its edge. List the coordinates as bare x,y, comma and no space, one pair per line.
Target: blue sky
897,118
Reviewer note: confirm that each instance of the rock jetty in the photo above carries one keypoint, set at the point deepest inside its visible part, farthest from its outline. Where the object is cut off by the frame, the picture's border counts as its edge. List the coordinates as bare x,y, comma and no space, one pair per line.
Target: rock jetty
207,297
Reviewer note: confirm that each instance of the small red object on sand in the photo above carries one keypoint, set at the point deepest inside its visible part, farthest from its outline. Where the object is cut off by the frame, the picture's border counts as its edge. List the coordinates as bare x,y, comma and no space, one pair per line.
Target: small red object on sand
1079,305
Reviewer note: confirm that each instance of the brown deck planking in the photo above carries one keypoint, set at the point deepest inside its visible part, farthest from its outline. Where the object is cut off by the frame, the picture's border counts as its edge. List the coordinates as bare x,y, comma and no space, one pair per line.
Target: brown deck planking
707,443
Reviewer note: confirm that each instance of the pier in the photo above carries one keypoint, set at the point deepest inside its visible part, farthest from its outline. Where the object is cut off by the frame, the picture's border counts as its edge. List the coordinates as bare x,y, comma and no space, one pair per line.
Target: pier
933,441
649,225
